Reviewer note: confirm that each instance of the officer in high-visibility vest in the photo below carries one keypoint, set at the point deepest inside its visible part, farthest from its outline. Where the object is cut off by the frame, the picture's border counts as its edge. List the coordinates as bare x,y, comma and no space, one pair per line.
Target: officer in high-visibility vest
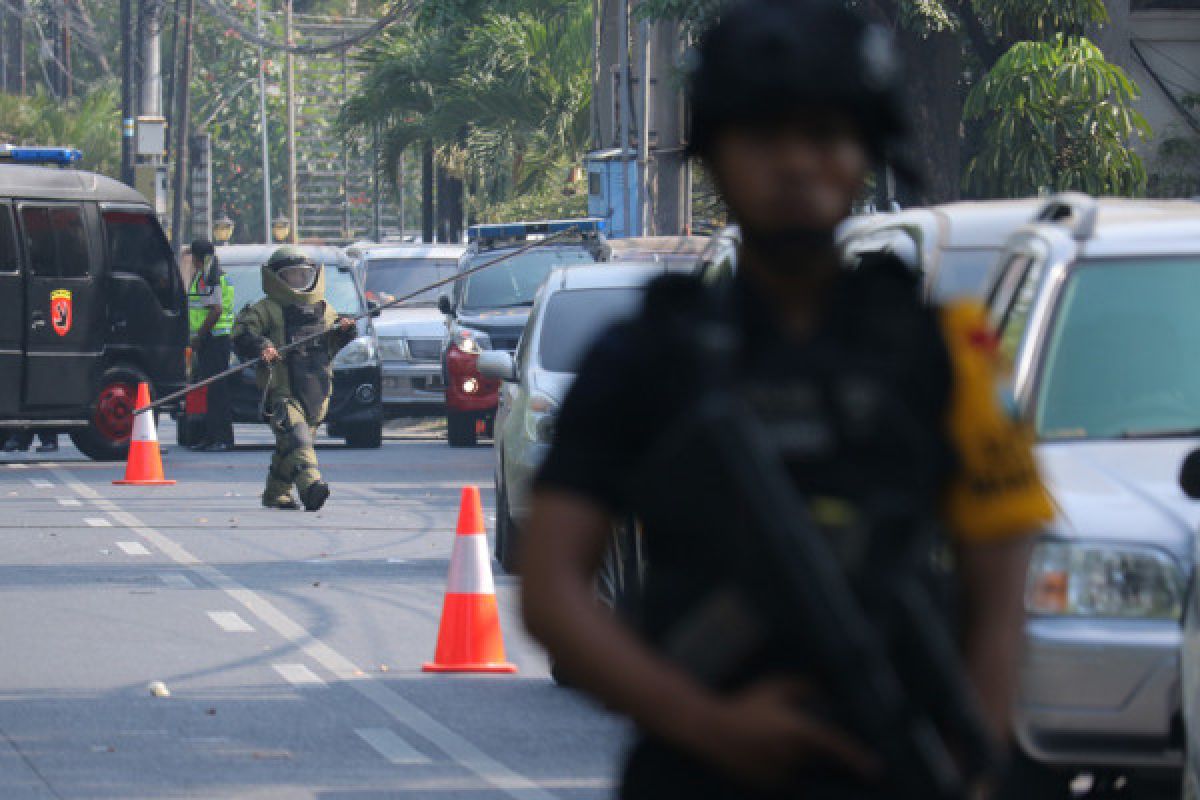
210,315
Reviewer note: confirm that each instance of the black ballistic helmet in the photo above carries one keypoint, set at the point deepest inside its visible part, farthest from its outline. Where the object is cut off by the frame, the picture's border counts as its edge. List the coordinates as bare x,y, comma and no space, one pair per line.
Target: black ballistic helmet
767,61
202,248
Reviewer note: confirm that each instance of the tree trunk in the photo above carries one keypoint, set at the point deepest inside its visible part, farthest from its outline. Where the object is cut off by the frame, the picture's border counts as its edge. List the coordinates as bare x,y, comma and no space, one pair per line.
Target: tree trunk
15,47
933,104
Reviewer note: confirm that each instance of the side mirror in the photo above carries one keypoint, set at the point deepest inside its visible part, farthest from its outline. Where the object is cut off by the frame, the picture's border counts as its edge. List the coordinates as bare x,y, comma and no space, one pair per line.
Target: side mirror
373,308
444,305
1189,475
498,365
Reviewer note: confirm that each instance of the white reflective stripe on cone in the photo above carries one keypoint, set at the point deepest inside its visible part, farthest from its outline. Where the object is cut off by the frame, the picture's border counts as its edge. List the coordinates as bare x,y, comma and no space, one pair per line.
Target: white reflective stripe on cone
470,566
143,427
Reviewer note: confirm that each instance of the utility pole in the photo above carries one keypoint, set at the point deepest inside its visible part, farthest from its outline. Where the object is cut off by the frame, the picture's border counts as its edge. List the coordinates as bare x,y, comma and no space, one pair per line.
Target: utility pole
152,58
427,191
623,98
183,107
262,116
127,80
15,47
644,188
290,75
65,56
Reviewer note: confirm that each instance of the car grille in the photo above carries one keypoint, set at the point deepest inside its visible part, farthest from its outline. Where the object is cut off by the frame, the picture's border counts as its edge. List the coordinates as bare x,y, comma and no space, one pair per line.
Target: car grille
429,350
391,348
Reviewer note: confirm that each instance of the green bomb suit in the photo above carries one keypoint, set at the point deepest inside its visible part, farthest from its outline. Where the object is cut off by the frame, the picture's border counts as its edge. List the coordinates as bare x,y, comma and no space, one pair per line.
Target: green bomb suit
297,388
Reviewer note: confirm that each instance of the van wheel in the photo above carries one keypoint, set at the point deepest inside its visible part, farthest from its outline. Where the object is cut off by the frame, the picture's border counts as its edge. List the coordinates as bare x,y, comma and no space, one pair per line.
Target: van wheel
460,429
365,437
506,535
106,438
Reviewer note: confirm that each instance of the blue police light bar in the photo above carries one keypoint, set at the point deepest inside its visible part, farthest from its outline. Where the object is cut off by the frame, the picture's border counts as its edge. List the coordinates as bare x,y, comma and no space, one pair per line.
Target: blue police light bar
63,156
522,230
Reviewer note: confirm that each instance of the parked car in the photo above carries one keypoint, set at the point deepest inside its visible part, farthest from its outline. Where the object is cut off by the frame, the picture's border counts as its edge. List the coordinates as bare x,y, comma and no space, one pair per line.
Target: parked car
411,334
1094,304
953,246
92,303
355,410
488,309
718,262
573,307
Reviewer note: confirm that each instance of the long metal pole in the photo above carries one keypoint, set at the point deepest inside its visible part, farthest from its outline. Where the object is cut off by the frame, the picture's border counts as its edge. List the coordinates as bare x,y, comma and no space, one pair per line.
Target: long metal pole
152,58
290,67
127,80
372,313
644,135
183,107
624,97
262,116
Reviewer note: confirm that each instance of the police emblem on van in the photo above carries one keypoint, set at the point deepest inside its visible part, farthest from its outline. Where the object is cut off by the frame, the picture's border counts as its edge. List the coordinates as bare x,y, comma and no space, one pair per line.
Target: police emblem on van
60,311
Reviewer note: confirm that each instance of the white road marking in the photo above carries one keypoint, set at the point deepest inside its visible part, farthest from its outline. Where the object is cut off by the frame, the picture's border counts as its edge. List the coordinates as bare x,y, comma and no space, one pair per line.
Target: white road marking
97,522
41,484
70,502
299,675
231,622
460,751
389,745
133,548
176,580
16,466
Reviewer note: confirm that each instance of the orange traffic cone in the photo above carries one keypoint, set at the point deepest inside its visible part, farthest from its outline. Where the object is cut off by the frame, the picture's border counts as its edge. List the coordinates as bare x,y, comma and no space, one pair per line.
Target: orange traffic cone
469,638
144,466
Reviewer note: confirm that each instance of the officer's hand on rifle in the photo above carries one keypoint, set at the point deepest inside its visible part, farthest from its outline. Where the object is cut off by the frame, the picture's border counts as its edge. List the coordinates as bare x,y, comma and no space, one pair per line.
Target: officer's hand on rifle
763,737
270,354
345,323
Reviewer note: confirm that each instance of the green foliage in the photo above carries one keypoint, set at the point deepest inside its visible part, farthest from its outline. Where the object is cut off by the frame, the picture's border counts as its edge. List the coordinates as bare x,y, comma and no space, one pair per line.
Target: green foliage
550,203
503,90
1042,20
1177,172
1058,115
90,123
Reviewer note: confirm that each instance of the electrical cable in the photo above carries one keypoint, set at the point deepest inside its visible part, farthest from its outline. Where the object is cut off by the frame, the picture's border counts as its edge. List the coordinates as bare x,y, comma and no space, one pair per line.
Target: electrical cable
219,8
1179,107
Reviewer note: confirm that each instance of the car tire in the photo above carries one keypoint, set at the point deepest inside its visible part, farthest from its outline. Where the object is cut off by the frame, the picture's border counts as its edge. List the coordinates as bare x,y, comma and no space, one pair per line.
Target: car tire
507,537
365,437
106,438
460,429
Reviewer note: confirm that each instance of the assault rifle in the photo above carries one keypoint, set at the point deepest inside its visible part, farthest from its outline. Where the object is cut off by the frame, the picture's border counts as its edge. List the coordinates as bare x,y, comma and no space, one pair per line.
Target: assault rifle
892,672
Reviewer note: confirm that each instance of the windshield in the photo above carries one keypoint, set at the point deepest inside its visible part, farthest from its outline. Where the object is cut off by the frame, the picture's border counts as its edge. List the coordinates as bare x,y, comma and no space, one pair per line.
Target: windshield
575,318
514,282
1121,355
963,273
340,290
389,278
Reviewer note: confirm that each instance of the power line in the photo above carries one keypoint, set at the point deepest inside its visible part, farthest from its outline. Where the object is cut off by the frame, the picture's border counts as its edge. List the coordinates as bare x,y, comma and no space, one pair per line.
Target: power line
223,11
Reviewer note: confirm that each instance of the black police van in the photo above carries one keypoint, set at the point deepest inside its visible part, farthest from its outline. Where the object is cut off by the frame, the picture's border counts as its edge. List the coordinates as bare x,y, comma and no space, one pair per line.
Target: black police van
91,302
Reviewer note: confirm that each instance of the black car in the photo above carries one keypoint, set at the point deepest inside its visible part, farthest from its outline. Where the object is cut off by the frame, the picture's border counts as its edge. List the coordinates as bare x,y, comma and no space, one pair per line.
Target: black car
91,305
356,409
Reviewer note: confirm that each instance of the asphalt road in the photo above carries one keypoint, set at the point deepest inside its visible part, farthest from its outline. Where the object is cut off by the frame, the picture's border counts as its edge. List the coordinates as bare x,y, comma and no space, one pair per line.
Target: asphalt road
291,643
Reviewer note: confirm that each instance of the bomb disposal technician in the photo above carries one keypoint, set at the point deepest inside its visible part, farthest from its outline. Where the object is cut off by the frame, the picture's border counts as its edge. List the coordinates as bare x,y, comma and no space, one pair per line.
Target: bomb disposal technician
296,385
882,410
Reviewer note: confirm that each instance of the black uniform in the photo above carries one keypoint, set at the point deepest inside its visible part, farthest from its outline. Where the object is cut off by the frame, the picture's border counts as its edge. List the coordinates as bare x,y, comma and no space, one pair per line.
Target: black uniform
859,413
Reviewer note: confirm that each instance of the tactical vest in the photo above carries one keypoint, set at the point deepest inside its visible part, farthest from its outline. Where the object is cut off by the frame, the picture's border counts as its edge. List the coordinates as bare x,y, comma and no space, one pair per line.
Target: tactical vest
856,413
199,302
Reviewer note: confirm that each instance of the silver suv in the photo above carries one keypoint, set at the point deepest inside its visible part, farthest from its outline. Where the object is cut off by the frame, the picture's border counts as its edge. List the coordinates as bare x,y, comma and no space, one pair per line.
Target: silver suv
1097,306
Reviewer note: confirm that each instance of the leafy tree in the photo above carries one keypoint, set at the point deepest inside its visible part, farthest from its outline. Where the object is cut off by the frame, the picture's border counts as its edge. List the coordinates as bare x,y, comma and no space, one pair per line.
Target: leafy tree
1055,114
502,90
90,123
952,48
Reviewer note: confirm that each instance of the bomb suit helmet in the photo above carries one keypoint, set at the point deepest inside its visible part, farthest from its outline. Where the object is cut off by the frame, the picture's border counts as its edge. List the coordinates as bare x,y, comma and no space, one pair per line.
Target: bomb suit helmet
290,277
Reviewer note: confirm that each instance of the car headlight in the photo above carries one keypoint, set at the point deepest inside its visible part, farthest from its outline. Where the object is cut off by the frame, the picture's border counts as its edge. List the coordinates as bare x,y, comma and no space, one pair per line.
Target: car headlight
540,415
1087,579
392,348
470,340
359,353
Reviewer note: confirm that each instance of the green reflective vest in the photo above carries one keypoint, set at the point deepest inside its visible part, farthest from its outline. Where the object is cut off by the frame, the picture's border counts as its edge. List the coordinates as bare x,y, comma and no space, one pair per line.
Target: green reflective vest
200,300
